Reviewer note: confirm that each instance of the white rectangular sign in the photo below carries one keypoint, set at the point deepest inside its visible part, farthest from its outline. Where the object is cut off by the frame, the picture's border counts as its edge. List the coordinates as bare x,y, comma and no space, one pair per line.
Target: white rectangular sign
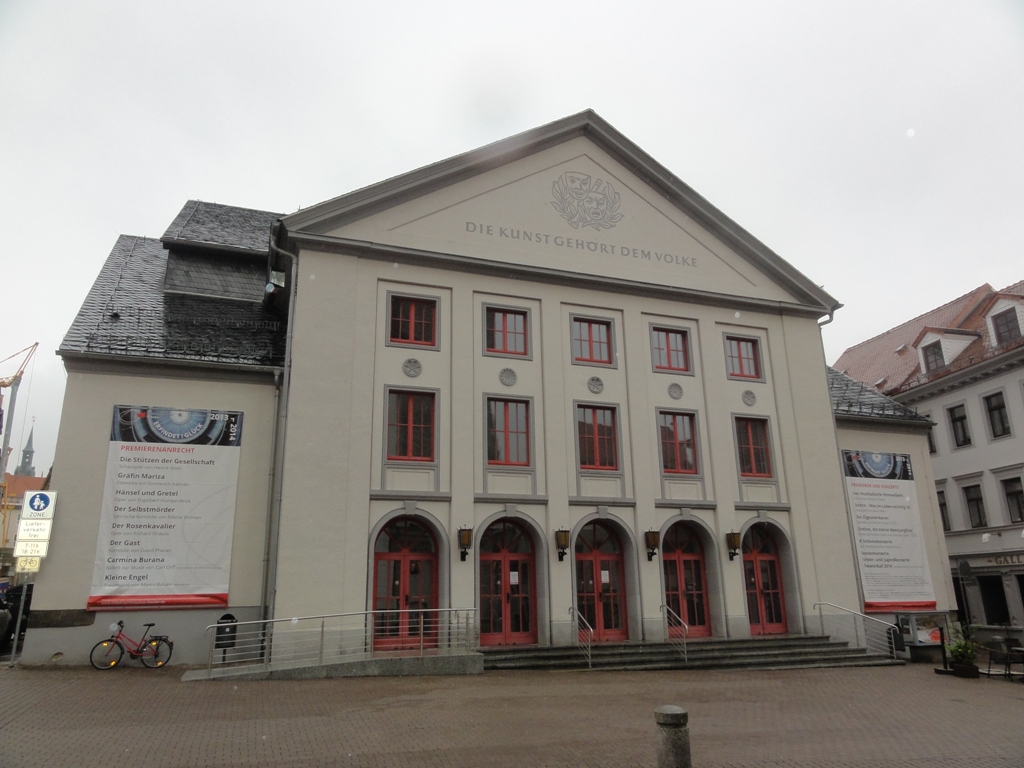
30,548
168,508
887,525
28,564
34,530
39,505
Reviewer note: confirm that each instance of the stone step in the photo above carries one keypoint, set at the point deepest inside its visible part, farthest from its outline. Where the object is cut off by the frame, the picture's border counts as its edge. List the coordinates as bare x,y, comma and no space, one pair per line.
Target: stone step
776,653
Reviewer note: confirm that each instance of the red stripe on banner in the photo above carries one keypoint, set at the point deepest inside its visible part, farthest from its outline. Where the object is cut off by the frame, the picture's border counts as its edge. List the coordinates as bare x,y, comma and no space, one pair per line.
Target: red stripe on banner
877,606
139,602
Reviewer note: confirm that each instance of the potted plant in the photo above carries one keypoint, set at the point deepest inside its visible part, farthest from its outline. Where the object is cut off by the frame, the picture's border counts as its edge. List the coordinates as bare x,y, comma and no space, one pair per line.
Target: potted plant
963,652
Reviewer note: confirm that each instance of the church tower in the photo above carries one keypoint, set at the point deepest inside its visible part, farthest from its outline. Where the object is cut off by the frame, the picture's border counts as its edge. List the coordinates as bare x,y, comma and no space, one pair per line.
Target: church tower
25,468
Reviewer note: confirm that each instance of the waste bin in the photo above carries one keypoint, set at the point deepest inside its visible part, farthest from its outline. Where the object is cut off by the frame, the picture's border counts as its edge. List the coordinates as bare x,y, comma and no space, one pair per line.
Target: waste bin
227,629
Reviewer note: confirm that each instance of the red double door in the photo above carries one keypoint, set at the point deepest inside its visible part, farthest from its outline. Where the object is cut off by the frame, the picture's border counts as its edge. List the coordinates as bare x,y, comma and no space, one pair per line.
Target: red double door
766,605
405,586
508,598
686,594
600,594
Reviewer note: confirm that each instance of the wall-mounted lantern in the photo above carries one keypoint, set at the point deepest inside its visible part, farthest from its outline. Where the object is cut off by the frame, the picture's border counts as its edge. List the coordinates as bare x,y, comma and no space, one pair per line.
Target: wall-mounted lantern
562,542
732,541
465,541
653,540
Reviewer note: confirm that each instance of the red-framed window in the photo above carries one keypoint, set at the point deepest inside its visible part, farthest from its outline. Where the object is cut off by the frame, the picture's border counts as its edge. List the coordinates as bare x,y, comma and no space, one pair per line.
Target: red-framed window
671,349
743,357
598,442
506,331
754,451
678,435
508,432
413,321
410,426
591,341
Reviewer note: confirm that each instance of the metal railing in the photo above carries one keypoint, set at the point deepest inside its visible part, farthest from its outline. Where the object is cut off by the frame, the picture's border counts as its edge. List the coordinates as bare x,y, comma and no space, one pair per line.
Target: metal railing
674,620
308,641
584,635
878,634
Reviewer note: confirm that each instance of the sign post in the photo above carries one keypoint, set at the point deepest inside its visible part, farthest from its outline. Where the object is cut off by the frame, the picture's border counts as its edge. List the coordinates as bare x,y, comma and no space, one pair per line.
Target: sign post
30,546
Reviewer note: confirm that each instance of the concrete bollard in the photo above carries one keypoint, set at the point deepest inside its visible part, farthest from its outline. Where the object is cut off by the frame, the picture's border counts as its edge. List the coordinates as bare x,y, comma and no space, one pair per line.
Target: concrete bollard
673,737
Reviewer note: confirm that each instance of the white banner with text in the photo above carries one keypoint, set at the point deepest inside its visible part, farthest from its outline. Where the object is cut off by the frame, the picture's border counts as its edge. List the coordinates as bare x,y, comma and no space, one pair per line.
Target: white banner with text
891,548
168,509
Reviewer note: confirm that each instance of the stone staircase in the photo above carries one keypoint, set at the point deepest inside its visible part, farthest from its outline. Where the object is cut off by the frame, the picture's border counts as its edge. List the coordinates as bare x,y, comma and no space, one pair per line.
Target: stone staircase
777,652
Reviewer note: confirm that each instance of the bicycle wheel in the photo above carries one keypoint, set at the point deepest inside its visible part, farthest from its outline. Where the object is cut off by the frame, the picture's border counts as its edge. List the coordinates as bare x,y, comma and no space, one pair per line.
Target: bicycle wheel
106,654
157,653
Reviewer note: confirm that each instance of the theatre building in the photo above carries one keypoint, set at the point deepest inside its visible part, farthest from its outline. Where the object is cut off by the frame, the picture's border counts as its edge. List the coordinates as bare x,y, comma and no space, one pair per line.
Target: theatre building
543,381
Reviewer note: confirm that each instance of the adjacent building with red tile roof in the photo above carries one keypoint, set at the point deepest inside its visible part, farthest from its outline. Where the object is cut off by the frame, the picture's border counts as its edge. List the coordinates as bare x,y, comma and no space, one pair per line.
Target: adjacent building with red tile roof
962,365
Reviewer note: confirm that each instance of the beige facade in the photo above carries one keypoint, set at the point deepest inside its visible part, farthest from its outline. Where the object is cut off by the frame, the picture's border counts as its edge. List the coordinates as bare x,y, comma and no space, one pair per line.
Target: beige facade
496,240
657,369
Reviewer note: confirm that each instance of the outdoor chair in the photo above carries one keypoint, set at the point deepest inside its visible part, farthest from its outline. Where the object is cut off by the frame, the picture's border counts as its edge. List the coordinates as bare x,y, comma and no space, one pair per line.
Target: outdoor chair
1014,655
998,655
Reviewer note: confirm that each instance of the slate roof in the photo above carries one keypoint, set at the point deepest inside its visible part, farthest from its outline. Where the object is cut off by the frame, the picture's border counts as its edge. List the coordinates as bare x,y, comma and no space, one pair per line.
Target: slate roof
855,400
890,361
212,225
195,273
128,314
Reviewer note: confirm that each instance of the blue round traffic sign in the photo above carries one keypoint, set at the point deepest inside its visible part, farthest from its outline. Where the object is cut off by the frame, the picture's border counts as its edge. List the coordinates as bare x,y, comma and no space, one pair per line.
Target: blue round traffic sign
39,501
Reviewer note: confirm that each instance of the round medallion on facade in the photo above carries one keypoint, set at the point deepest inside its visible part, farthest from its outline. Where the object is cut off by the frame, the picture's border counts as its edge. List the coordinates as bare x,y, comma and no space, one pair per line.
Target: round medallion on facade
595,385
749,398
507,377
412,367
675,391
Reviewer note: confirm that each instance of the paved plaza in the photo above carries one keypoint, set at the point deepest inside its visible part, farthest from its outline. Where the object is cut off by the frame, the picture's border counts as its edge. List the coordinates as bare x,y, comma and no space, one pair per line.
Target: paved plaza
890,717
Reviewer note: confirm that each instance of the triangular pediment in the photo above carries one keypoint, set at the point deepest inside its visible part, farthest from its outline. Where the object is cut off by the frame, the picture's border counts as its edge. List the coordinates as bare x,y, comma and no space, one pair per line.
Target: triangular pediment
571,198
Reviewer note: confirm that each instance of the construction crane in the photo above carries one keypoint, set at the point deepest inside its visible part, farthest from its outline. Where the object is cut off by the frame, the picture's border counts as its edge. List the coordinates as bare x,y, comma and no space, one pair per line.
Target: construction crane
11,382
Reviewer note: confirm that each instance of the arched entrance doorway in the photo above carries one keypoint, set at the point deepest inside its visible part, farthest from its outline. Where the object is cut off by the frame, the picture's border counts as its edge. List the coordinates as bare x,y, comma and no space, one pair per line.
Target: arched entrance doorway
766,606
600,593
686,593
508,592
405,585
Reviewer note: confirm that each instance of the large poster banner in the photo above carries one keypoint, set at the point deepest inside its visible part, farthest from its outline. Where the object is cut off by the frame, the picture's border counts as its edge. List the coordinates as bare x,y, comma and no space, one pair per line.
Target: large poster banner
168,509
887,526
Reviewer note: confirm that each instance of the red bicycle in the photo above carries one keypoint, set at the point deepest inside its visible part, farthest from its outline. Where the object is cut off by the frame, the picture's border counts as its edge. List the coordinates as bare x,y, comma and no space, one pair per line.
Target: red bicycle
154,651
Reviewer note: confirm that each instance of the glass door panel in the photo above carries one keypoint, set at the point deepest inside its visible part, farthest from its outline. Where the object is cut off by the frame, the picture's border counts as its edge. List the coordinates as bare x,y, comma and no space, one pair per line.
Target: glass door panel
586,591
492,600
611,599
520,605
753,598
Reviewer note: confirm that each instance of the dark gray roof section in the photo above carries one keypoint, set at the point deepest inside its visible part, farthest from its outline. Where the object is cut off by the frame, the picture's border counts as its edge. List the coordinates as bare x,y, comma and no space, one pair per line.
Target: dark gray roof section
128,314
225,227
197,274
854,400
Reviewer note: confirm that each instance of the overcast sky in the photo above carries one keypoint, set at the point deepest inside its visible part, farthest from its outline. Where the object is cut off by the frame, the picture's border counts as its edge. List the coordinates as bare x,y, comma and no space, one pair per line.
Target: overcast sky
878,146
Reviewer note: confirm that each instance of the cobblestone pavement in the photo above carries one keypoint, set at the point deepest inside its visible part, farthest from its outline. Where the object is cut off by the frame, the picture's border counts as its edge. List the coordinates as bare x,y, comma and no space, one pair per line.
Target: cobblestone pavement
889,717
